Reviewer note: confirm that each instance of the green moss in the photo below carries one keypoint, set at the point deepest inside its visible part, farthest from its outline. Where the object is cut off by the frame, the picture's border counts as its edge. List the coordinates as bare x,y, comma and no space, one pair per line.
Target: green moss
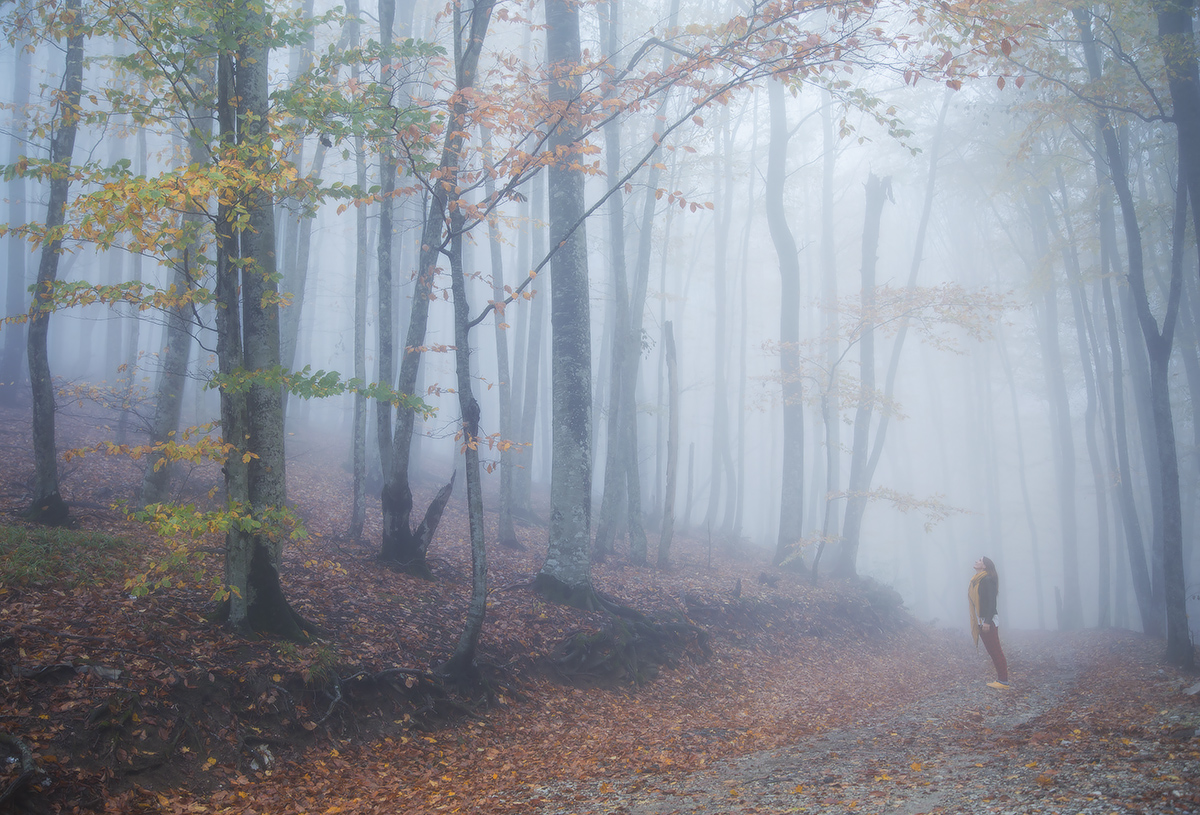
37,556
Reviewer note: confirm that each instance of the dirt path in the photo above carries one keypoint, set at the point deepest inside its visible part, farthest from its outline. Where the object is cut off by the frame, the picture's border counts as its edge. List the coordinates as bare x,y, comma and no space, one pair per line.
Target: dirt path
1048,745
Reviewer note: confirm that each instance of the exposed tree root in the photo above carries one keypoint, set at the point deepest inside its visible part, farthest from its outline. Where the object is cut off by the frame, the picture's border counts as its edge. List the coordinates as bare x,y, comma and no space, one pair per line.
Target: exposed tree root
50,510
628,650
25,756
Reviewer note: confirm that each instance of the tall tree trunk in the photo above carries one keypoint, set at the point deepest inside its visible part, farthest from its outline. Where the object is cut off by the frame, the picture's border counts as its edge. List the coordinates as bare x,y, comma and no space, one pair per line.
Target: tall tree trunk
566,575
252,422
1158,345
462,662
830,393
1177,39
168,402
358,433
1083,327
385,353
1176,34
1034,547
536,318
1143,579
613,500
133,321
297,245
672,469
856,500
48,505
506,534
403,545
720,487
879,190
1061,432
14,335
791,508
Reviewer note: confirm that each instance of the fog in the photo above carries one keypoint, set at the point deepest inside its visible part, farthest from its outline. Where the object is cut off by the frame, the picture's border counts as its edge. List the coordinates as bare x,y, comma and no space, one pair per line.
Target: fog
1010,265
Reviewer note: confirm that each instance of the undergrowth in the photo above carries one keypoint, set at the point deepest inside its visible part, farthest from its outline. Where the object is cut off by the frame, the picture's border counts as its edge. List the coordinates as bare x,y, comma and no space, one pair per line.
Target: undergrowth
36,556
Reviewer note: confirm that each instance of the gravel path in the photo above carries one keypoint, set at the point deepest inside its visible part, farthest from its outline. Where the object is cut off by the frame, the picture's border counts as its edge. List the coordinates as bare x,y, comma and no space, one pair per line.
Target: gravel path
965,748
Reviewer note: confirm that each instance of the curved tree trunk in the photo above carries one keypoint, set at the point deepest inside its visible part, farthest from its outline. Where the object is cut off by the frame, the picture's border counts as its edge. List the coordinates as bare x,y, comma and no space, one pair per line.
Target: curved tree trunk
791,508
48,505
1143,577
462,662
403,545
852,526
878,193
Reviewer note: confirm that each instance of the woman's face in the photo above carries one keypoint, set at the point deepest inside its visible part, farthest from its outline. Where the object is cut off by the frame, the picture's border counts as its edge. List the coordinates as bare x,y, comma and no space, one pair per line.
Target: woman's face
980,566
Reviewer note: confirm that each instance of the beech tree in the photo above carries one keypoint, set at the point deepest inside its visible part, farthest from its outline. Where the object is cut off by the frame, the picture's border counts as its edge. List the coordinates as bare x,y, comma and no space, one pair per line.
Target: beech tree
566,573
48,505
403,544
13,335
791,513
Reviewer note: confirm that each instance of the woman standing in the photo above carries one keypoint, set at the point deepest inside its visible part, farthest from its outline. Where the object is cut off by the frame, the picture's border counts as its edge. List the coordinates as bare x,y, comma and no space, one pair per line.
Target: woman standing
982,593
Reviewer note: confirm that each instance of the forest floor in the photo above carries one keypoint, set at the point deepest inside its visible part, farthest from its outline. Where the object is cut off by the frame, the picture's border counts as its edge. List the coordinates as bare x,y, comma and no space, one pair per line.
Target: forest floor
778,696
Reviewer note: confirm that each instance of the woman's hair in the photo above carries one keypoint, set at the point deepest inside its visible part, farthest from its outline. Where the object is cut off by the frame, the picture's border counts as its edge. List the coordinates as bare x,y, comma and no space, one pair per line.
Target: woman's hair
987,563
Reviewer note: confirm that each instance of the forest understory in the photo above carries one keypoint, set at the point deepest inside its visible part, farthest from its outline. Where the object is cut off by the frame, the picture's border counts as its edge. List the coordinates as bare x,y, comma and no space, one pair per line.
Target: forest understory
762,692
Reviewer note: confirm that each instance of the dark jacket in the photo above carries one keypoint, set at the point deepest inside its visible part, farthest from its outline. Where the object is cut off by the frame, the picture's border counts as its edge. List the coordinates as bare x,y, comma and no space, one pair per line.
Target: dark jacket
989,587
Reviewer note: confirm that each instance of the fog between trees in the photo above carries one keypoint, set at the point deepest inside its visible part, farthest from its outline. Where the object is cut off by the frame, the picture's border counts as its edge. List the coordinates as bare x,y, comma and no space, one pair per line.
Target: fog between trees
969,202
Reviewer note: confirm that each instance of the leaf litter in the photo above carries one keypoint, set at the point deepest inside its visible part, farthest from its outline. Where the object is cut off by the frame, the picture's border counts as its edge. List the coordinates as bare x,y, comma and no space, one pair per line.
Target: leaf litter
825,698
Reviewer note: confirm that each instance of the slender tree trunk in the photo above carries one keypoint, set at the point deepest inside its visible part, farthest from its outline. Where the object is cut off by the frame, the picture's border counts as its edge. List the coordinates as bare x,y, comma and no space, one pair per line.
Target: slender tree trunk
672,468
462,662
718,490
791,508
1144,583
297,248
506,533
830,329
523,481
878,193
48,505
1089,364
358,433
385,353
852,526
168,402
1061,434
565,575
133,321
613,500
1177,37
1179,642
1034,547
403,545
14,335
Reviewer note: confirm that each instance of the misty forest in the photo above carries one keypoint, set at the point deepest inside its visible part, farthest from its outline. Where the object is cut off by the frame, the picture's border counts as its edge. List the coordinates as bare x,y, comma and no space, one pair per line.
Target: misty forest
524,406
